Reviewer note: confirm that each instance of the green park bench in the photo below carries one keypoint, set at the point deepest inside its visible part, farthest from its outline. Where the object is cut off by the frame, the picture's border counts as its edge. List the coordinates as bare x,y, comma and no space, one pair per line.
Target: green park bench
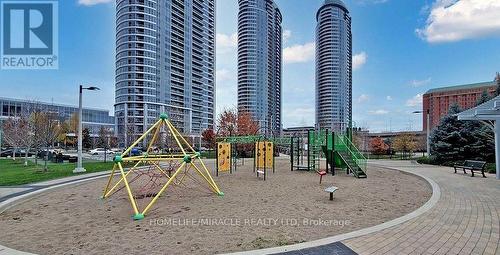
471,165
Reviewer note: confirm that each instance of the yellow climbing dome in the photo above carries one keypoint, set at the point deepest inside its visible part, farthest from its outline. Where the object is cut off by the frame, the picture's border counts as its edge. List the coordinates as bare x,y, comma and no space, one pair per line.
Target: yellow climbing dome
173,167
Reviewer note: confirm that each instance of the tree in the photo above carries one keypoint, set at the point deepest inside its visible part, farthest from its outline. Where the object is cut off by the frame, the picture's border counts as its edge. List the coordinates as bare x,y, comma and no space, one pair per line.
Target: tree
421,143
246,124
447,139
70,126
86,142
497,80
73,123
62,136
48,131
232,122
453,140
378,146
485,97
208,137
104,137
405,143
227,122
130,136
29,136
14,130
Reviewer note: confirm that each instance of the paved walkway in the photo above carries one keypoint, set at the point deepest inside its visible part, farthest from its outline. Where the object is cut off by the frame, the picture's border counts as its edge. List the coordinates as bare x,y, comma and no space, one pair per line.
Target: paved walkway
464,221
462,217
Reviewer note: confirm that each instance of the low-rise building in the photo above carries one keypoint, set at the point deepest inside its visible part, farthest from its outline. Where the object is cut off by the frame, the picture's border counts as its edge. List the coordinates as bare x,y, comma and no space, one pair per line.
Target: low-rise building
438,101
93,118
297,131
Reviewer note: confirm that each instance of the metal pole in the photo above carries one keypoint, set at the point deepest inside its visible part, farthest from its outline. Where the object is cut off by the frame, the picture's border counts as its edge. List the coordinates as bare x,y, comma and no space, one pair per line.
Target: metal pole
428,134
216,159
497,148
79,168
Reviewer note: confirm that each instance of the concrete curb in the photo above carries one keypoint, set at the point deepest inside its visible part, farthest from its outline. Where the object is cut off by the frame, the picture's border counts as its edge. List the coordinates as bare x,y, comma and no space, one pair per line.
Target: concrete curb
436,194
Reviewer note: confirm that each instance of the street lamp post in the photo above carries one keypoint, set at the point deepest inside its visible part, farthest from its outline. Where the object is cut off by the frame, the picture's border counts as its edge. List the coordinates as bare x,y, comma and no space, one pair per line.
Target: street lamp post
428,131
79,168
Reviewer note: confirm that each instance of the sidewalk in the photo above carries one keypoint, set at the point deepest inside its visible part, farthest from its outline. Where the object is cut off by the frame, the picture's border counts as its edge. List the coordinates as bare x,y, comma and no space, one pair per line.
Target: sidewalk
465,220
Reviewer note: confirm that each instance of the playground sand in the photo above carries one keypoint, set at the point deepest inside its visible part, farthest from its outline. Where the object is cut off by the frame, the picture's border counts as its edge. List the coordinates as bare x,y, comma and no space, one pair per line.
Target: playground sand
287,208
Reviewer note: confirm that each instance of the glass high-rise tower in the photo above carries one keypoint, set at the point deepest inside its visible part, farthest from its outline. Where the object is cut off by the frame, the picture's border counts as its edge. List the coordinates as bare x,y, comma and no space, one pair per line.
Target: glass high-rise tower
260,62
165,62
333,66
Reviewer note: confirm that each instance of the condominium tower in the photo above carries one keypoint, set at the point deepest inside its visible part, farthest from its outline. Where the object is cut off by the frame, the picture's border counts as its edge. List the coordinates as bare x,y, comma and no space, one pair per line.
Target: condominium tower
260,63
165,62
333,66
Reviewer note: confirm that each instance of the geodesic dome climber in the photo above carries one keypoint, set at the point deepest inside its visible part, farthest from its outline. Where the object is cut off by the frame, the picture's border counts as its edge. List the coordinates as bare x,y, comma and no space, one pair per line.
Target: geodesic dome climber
151,173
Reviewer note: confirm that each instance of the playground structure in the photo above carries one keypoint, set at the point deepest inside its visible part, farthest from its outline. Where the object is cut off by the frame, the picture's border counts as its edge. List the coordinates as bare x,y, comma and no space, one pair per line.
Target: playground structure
225,160
263,155
306,152
338,150
174,168
263,152
263,158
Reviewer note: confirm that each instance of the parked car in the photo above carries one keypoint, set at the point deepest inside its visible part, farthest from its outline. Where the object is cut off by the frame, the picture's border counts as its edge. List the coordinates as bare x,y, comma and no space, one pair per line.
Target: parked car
116,150
18,152
101,151
30,152
137,151
6,153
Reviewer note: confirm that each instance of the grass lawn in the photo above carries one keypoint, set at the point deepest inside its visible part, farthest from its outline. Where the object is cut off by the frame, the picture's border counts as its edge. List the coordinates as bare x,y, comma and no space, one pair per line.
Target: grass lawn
15,173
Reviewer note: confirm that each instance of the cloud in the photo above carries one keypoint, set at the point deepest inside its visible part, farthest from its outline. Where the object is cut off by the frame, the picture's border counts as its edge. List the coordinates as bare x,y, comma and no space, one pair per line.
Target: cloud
287,34
414,101
363,98
226,43
364,2
226,92
456,20
388,98
299,116
419,83
93,2
226,74
299,53
223,75
378,112
359,60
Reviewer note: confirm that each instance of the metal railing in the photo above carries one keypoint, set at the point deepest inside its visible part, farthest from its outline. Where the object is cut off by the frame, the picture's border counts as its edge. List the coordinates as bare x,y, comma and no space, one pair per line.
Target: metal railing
342,143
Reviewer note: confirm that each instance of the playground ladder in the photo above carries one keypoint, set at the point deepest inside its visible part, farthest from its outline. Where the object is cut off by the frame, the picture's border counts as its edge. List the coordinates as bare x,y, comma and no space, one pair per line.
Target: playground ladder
351,156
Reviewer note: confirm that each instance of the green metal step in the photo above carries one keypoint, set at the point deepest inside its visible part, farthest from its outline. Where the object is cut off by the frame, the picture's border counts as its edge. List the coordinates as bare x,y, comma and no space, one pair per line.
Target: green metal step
351,164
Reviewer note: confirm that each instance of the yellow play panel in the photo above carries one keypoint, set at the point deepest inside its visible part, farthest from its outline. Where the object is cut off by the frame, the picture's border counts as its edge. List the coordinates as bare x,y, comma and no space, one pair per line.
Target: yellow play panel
224,157
265,154
174,166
